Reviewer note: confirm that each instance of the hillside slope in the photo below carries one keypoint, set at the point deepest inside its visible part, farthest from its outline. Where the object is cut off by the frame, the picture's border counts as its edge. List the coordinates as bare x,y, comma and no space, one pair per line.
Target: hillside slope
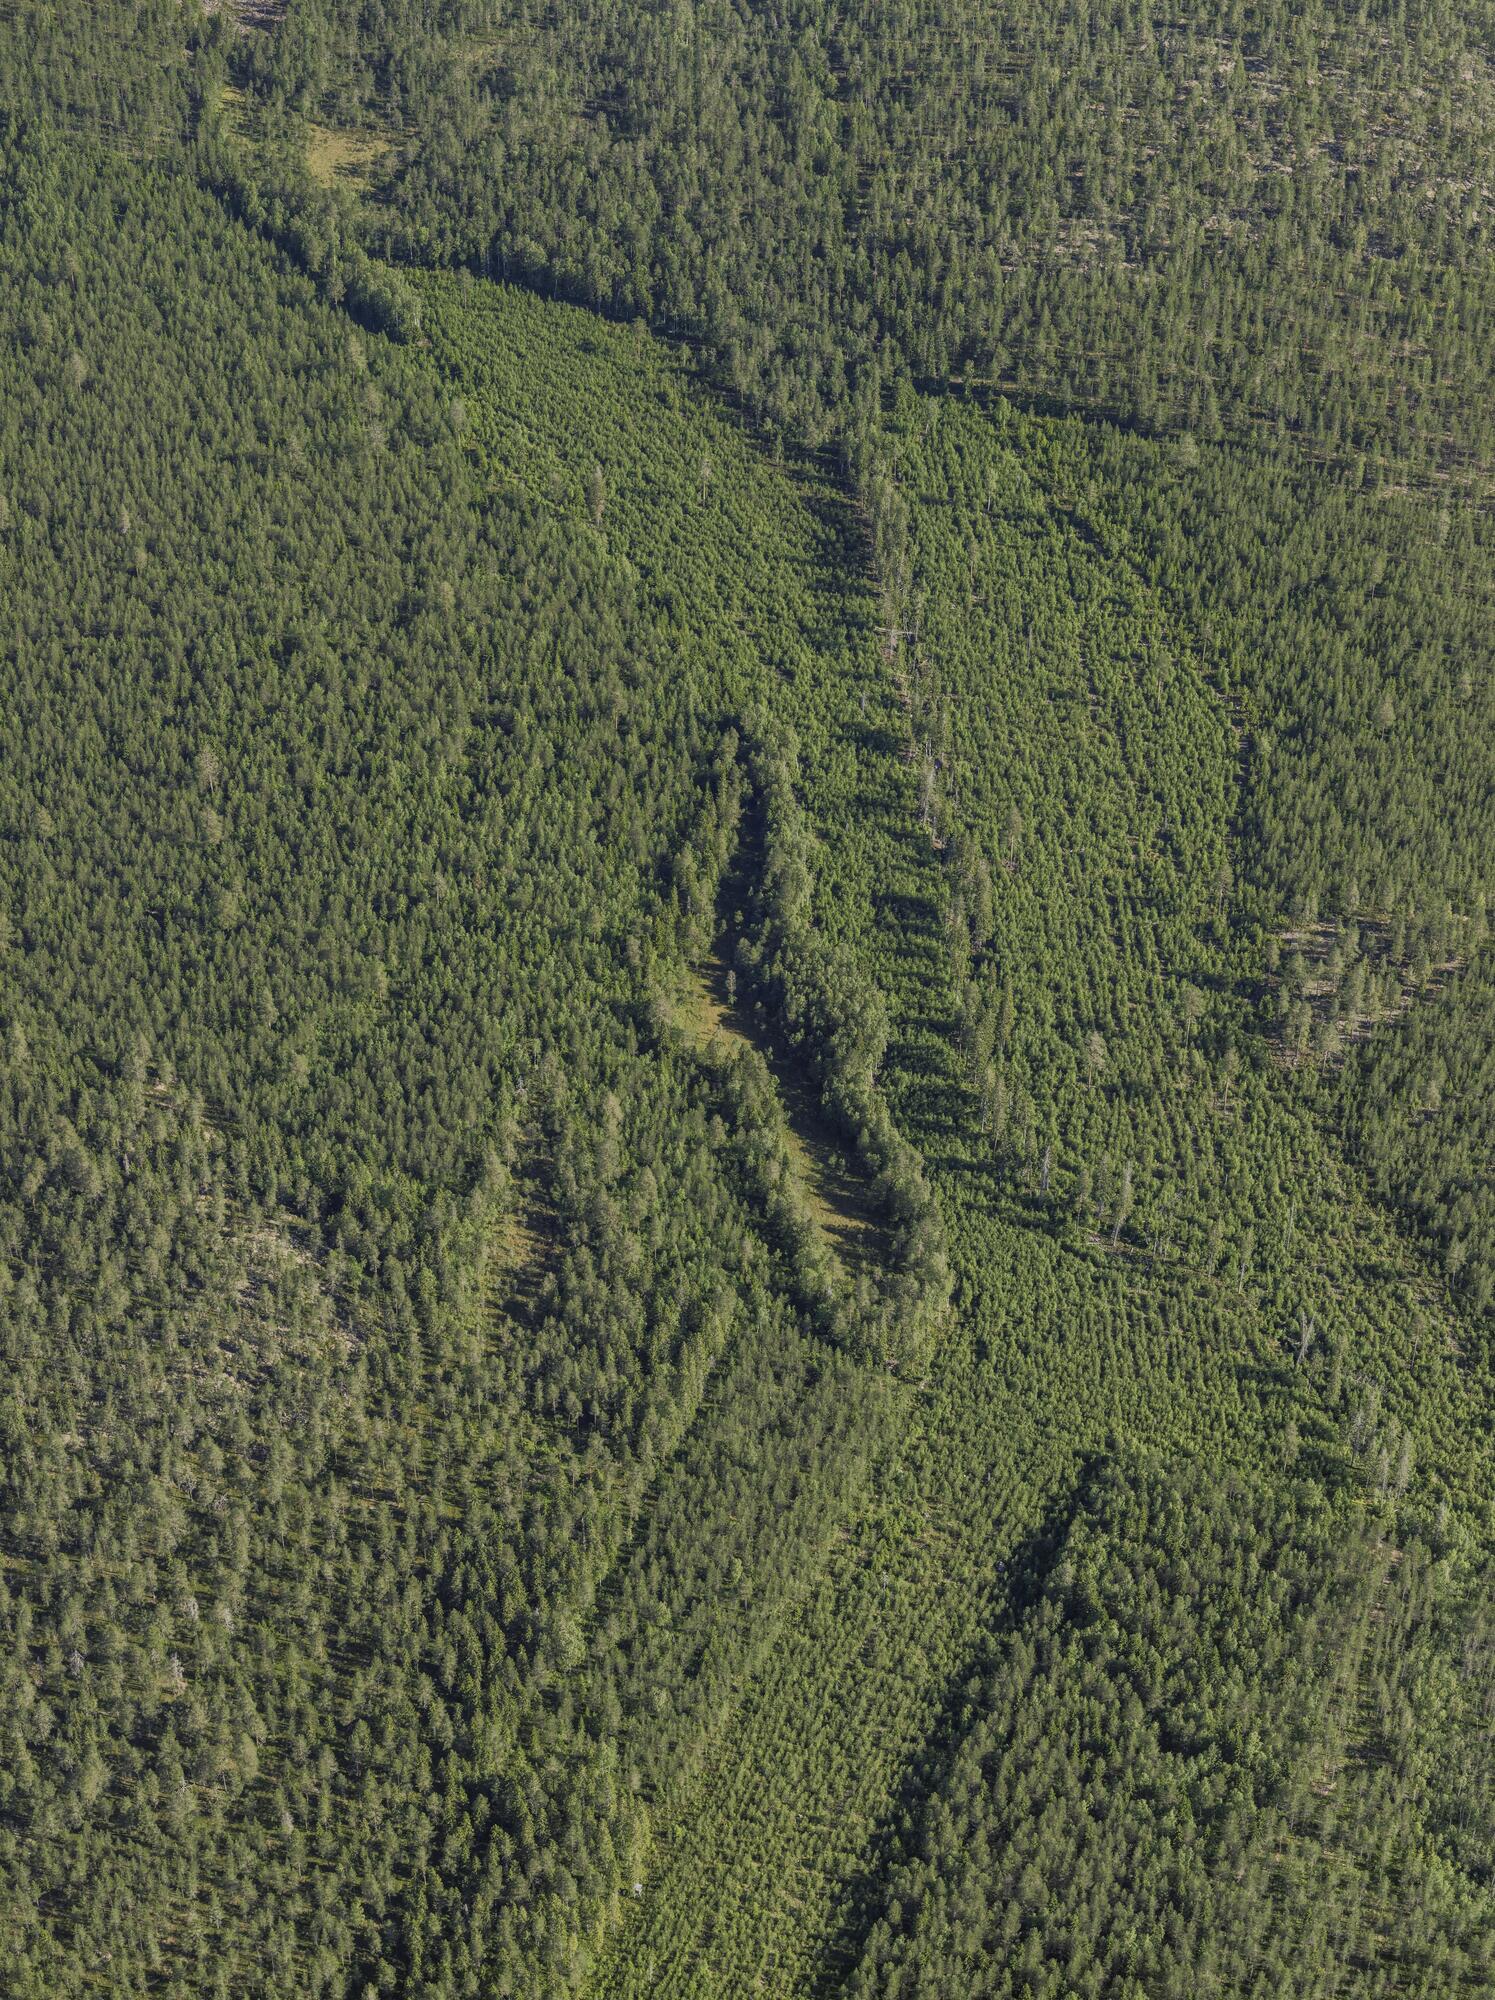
1143,1211
745,1240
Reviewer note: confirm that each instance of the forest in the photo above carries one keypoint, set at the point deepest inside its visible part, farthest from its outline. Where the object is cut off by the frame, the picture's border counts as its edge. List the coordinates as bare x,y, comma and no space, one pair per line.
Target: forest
747,1016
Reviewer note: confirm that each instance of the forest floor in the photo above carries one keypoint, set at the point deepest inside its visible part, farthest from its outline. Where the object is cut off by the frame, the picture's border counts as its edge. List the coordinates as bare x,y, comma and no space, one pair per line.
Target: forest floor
835,1195
337,155
256,13
522,1251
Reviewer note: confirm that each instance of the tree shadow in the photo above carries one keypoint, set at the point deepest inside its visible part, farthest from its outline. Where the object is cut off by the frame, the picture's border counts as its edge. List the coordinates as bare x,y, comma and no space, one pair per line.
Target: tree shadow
1019,1581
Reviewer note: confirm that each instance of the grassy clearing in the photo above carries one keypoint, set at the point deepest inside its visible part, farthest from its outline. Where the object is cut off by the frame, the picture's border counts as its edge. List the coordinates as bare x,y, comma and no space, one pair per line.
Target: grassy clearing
839,1202
522,1249
338,157
236,109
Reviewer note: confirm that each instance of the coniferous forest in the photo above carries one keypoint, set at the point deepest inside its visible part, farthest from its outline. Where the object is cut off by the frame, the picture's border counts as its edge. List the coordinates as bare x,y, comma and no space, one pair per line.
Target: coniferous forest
747,1006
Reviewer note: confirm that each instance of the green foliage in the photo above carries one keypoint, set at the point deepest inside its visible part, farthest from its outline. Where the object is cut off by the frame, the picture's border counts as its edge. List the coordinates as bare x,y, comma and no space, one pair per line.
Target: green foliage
471,1521
1152,1234
836,1022
1418,1104
319,950
1344,627
1270,222
1201,1764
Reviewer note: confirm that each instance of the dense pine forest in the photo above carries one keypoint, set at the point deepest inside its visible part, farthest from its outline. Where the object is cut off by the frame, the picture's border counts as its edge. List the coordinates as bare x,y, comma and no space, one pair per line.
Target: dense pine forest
747,1013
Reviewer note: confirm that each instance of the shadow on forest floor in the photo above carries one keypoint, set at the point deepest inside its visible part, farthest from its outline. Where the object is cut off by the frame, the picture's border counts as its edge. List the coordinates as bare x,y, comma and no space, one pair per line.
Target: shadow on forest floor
521,1250
836,1194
